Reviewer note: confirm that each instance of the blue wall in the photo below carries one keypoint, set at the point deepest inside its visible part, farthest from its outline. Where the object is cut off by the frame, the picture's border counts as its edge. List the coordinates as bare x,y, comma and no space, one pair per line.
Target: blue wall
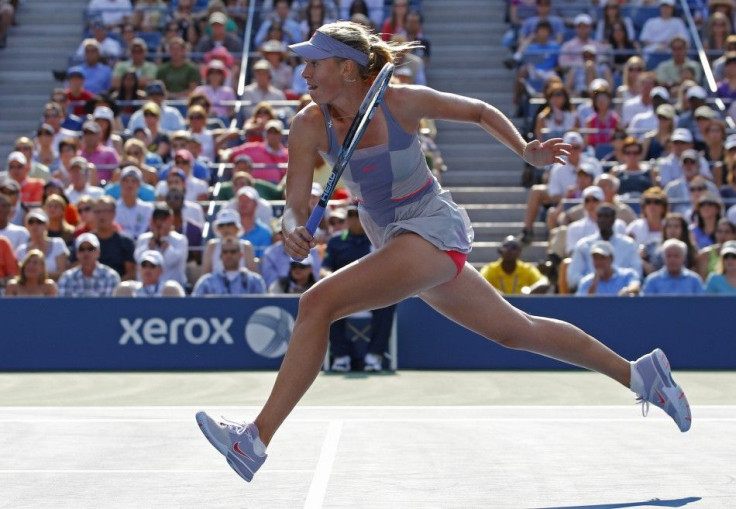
206,334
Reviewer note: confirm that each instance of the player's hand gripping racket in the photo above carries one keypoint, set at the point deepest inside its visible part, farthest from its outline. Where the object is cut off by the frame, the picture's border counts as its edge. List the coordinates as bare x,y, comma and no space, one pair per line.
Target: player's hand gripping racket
365,113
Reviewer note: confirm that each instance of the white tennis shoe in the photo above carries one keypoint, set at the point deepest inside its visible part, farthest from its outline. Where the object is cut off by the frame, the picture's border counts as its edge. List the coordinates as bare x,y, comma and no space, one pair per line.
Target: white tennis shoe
661,390
235,441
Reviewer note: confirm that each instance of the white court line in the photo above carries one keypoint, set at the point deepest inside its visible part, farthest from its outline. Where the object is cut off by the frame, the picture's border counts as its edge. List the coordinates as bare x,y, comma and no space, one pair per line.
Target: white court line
318,488
342,407
378,419
130,471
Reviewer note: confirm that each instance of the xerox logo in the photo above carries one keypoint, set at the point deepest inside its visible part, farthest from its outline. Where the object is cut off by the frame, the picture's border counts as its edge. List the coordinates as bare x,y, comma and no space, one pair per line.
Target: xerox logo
157,331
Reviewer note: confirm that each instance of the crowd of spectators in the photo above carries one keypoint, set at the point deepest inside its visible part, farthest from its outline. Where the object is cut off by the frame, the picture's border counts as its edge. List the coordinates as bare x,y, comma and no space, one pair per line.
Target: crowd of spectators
145,179
645,201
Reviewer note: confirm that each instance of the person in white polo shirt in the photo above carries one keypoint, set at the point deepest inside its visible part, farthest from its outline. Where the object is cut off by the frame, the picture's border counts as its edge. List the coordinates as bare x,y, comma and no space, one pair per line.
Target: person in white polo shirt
151,284
132,213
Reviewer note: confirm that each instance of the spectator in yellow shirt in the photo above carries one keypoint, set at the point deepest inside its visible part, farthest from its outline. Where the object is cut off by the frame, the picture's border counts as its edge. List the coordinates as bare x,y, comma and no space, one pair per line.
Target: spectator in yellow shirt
511,276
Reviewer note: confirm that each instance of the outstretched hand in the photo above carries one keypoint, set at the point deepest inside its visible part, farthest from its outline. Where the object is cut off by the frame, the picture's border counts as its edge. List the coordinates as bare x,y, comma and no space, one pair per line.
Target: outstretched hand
551,151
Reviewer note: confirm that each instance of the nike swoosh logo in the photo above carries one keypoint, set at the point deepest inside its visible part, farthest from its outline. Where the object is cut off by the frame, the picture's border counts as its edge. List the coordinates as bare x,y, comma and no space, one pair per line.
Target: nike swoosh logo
236,448
370,168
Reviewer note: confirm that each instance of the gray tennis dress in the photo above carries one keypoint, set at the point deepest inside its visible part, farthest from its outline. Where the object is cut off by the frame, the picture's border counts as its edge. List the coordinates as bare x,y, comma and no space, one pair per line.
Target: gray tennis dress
397,192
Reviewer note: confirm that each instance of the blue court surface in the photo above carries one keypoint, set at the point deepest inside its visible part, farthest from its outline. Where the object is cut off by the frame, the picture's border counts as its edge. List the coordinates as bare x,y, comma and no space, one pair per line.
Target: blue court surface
373,456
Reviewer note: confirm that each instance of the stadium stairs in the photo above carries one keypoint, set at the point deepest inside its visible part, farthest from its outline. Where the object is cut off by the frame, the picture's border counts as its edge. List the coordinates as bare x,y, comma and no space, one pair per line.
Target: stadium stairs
484,176
48,32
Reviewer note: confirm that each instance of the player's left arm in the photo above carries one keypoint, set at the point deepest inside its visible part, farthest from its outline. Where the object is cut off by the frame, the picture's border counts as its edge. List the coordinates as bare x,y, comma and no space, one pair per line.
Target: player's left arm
415,102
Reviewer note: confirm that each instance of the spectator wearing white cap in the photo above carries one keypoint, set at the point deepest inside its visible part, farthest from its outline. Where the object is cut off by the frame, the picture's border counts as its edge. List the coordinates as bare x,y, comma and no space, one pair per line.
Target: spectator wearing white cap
163,239
585,175
269,156
227,224
79,181
132,213
606,278
723,281
658,31
108,48
646,121
90,278
254,231
642,102
684,190
571,53
561,178
232,278
31,189
708,258
264,211
54,248
669,72
151,284
580,77
696,97
219,36
655,142
145,70
670,167
626,251
259,90
593,197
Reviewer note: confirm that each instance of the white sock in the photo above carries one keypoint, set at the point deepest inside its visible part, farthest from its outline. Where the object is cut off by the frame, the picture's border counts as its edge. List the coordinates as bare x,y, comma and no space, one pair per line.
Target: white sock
637,383
259,447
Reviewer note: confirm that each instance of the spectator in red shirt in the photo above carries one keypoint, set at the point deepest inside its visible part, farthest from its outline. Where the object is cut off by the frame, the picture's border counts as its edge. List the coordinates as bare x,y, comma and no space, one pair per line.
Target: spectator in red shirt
270,152
76,93
31,189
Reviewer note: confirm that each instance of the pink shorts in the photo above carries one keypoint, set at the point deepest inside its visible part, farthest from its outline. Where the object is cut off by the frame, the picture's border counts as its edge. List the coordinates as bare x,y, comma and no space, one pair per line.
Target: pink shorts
459,259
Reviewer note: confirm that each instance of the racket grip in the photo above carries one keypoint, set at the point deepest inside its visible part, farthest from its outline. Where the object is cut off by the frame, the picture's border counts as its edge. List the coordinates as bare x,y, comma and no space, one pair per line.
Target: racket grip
314,219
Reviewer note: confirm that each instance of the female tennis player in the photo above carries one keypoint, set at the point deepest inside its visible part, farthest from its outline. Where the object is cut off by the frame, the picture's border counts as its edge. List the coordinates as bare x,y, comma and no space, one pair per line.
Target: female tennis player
421,237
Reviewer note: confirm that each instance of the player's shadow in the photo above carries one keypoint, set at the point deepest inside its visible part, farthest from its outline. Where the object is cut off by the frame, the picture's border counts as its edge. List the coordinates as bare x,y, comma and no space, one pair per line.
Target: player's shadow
655,502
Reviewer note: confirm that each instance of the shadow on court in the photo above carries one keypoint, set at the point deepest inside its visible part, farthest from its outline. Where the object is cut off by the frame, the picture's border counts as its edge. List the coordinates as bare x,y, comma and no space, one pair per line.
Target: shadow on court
679,502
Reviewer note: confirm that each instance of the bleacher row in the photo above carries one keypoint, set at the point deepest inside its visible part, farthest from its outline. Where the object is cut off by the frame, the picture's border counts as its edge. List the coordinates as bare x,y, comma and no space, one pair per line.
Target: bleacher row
224,135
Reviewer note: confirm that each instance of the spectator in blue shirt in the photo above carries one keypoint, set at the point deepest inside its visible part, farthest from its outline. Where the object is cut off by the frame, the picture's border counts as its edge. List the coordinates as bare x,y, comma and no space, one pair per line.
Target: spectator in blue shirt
606,278
673,278
255,232
97,75
723,281
232,279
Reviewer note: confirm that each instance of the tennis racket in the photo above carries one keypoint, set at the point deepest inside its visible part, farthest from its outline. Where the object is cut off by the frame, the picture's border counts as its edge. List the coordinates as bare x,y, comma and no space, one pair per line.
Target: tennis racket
365,113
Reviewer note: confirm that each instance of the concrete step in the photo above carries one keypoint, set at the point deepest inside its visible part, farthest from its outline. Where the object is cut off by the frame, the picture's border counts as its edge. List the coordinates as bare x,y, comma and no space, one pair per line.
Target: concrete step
488,194
497,213
459,177
497,231
485,252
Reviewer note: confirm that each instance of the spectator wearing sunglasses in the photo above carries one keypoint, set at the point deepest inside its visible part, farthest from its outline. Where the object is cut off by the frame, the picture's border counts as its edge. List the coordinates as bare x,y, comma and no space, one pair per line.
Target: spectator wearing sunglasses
232,279
90,278
151,284
684,191
723,281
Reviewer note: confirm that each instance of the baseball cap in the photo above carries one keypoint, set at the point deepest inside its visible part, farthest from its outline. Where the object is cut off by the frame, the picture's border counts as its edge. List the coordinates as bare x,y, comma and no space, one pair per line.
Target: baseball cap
339,212
275,124
17,157
272,46
89,238
691,154
728,247
682,134
667,2
243,158
602,247
696,92
217,17
78,161
75,71
151,107
184,154
573,138
153,257
730,142
704,112
594,191
599,84
590,48
710,197
317,189
104,112
250,192
660,92
510,242
91,125
583,18
262,65
138,42
38,214
666,110
156,88
216,65
131,171
8,183
227,216
586,168
178,172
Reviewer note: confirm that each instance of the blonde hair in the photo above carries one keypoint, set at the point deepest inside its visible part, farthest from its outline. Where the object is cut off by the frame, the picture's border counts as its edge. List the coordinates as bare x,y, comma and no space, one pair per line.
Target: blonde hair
21,277
362,39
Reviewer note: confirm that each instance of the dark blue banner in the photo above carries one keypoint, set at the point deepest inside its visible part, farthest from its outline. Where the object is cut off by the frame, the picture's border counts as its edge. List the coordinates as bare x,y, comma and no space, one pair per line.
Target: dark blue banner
252,333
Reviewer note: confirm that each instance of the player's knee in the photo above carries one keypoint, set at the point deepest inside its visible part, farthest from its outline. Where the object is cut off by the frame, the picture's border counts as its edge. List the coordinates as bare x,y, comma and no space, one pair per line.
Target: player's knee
314,302
514,335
